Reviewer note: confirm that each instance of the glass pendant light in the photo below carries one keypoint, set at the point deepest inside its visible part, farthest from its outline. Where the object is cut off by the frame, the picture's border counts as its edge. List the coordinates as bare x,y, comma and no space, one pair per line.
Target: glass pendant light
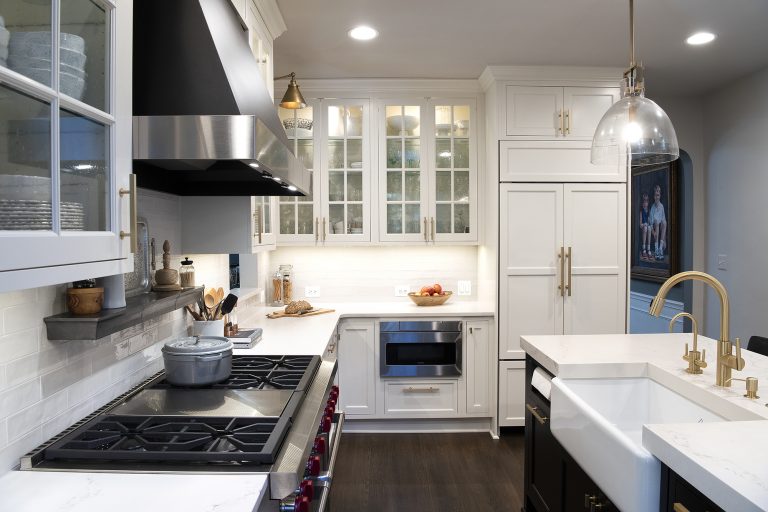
635,130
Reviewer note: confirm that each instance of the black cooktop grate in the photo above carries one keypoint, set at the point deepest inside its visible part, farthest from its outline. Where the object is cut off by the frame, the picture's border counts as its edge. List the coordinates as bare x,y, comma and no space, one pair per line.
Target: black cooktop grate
266,372
174,438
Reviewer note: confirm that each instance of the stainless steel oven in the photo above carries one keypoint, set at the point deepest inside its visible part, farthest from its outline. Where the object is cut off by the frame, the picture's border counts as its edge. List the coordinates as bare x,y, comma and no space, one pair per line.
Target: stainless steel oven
420,348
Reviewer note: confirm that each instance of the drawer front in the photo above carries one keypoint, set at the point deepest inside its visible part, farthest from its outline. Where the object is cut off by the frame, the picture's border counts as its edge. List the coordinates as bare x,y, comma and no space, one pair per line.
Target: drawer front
553,161
432,398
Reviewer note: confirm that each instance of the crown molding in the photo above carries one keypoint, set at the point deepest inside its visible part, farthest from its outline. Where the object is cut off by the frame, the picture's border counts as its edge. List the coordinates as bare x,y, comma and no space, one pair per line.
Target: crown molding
273,18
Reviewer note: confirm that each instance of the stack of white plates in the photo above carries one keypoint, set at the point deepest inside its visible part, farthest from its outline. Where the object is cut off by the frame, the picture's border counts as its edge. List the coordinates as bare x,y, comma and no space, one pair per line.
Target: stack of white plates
31,214
5,37
25,204
29,53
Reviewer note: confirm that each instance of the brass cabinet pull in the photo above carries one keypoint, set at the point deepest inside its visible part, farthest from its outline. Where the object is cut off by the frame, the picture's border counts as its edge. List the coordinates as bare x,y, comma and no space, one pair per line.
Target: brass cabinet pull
323,229
411,389
567,122
317,228
569,286
257,222
560,122
561,286
432,220
536,414
589,500
134,229
426,230
679,507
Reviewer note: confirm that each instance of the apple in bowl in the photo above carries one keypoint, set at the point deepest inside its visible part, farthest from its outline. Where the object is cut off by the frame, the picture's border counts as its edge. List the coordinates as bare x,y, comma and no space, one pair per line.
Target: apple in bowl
430,295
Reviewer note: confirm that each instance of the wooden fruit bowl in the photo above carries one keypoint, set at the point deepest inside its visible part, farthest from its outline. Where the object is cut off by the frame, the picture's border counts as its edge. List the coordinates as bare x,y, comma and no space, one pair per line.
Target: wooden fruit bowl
437,300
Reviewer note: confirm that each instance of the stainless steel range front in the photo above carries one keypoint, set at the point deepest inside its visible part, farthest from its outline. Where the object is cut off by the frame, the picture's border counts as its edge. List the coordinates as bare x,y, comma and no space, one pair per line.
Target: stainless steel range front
274,415
420,348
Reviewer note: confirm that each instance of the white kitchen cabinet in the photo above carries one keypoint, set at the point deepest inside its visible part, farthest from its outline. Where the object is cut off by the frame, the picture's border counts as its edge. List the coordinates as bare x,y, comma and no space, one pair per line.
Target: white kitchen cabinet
66,146
511,393
357,370
553,112
478,367
416,398
238,224
562,261
557,161
261,45
428,171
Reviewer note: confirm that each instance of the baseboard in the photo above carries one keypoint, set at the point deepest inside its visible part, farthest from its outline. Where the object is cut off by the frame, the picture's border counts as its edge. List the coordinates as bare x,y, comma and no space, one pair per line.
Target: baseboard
435,426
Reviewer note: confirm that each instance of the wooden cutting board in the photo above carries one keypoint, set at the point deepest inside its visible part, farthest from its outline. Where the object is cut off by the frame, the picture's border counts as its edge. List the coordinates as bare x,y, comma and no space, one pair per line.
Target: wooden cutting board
311,312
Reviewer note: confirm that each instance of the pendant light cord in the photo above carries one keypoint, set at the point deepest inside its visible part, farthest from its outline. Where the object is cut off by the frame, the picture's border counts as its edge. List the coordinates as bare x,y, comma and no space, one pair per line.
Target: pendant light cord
631,33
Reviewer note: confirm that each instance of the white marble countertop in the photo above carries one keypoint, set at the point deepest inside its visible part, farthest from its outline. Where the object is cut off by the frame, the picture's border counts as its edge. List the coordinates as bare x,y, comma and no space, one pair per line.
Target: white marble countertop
727,461
310,335
48,491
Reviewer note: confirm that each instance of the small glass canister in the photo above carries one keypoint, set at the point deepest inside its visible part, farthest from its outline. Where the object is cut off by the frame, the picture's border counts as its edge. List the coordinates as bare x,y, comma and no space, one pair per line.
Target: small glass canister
277,289
187,274
287,273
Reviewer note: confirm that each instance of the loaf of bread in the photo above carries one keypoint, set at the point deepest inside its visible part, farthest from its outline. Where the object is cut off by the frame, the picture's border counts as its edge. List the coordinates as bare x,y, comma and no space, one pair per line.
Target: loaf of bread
297,306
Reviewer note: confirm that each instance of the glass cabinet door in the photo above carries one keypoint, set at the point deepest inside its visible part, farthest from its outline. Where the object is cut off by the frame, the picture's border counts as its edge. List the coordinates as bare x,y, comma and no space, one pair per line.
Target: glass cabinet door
297,216
402,198
58,169
346,172
262,225
454,183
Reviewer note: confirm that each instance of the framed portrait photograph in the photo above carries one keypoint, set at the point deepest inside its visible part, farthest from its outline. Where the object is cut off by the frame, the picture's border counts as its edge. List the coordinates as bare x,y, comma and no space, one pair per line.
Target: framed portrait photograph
655,212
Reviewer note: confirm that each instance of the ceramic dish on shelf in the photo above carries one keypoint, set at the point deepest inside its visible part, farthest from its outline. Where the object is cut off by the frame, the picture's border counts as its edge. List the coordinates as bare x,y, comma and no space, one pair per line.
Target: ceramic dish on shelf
5,36
429,300
18,63
298,122
443,130
41,51
66,41
404,125
301,133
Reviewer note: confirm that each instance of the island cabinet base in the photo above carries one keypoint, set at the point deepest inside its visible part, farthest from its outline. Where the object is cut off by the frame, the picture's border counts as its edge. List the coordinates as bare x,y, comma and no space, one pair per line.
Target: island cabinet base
677,495
554,481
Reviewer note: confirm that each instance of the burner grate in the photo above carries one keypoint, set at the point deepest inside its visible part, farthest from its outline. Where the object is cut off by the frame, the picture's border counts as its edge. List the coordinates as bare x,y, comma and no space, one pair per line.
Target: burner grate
266,372
176,438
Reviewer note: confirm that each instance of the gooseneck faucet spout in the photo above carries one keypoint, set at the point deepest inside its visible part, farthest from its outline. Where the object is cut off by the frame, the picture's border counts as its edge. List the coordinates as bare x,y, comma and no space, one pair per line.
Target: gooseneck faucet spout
726,361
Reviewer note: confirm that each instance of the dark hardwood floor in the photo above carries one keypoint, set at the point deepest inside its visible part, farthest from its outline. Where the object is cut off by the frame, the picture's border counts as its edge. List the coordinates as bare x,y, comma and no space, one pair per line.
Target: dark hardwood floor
428,472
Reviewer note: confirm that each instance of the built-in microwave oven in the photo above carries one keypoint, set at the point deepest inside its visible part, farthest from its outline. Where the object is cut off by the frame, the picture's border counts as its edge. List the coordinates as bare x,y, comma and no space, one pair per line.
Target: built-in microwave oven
420,348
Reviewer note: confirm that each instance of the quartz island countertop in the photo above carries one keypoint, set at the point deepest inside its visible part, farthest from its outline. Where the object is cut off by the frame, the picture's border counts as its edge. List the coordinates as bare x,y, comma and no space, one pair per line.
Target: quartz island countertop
727,461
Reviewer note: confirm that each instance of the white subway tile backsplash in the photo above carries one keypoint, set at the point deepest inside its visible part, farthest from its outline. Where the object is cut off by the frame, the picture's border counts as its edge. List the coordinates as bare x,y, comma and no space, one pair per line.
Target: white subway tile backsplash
18,344
13,400
20,317
32,417
3,434
10,455
17,297
30,367
57,380
86,388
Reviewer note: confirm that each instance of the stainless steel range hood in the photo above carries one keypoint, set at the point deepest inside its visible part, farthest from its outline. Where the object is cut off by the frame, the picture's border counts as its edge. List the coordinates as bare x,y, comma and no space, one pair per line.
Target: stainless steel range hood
204,123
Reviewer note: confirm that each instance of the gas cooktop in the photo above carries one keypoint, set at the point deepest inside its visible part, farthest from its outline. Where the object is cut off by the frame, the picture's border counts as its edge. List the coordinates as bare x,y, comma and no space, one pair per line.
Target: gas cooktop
240,421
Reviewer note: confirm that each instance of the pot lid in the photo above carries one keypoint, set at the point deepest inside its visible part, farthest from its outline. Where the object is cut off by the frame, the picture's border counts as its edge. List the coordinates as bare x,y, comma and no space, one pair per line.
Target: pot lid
198,345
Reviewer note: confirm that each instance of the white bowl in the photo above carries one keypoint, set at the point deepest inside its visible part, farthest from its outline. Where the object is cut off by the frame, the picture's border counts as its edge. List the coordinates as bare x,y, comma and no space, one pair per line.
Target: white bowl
16,63
5,36
404,123
71,85
25,188
3,52
67,41
41,51
40,75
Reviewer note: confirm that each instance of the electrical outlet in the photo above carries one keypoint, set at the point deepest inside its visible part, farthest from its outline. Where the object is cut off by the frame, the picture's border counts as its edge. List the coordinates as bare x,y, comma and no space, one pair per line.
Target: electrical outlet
311,291
722,261
402,290
464,288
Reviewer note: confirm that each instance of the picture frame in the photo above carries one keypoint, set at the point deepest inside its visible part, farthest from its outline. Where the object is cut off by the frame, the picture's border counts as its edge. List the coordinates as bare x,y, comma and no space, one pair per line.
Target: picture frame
655,240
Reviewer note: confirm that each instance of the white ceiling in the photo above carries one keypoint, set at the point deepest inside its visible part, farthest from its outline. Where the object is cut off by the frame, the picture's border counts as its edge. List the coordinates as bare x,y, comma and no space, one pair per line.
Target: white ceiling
458,38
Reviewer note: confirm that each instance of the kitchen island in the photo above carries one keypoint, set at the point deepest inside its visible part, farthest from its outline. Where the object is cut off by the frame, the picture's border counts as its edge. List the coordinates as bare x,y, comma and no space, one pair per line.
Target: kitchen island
727,460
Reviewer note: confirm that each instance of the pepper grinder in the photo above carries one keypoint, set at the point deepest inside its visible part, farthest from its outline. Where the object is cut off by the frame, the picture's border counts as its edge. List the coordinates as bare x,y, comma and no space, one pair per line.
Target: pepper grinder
167,278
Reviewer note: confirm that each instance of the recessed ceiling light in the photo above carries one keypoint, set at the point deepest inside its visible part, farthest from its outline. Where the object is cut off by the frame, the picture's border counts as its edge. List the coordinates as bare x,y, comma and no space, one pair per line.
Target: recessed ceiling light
363,33
700,38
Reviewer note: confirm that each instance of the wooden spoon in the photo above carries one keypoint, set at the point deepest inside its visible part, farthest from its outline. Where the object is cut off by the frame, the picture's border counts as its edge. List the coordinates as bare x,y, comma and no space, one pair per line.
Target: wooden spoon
219,294
210,303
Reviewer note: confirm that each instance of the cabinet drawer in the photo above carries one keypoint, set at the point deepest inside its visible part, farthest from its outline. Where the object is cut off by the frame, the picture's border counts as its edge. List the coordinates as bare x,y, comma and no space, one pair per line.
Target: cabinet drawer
421,397
538,160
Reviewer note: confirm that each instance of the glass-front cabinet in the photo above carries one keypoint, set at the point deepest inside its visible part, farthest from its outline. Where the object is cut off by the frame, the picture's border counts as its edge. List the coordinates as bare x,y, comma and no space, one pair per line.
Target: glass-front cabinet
427,171
65,138
331,139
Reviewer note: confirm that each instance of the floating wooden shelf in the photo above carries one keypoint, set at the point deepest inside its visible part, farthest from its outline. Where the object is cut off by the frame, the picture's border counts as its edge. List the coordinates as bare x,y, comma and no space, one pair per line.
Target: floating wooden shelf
138,309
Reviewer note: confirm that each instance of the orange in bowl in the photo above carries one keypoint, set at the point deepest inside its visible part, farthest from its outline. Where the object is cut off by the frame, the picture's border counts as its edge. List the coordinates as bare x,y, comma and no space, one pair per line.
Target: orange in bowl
429,300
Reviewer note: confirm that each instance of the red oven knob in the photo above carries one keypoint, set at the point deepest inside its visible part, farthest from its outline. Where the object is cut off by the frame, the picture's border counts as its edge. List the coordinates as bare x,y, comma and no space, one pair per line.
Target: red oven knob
325,424
313,465
301,504
329,410
319,445
335,388
331,403
306,490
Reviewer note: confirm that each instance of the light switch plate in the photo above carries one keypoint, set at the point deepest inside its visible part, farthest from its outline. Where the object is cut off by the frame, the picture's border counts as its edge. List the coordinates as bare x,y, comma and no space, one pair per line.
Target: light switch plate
311,291
402,290
464,288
